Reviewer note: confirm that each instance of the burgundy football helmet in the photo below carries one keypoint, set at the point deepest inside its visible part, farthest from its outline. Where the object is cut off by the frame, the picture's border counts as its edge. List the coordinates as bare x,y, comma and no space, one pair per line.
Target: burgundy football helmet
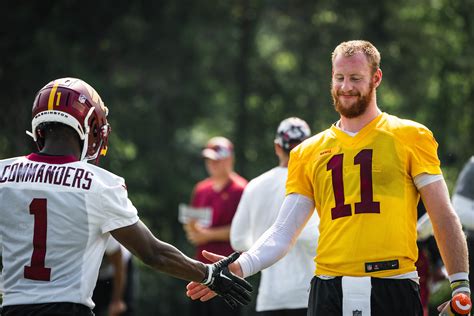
73,102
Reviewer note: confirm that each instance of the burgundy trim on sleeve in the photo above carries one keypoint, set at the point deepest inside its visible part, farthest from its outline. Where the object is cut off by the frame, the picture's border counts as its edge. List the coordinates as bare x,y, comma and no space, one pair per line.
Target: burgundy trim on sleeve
56,160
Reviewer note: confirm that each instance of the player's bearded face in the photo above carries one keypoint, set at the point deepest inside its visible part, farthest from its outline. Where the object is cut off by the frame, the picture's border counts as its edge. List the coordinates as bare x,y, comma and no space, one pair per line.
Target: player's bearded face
356,105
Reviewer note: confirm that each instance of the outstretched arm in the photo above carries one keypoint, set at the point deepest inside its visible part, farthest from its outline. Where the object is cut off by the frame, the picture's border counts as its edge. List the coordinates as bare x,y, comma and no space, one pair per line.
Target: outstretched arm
168,259
158,254
275,243
269,248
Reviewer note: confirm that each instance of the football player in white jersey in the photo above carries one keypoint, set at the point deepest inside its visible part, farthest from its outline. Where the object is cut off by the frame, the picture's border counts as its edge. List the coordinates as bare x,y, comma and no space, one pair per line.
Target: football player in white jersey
58,211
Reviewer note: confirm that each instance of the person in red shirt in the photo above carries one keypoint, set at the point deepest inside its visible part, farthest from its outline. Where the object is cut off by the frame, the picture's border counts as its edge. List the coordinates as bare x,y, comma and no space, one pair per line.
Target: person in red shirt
221,193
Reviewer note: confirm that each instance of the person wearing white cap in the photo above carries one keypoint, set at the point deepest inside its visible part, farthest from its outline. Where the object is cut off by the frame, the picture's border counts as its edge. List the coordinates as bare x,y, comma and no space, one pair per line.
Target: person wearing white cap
284,287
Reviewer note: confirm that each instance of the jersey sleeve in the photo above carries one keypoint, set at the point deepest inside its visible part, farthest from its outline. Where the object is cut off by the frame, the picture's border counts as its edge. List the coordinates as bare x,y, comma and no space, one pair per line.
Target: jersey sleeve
117,207
423,154
299,180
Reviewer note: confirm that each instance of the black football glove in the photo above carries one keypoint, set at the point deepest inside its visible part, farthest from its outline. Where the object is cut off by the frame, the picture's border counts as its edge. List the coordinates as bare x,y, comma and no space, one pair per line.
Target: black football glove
233,289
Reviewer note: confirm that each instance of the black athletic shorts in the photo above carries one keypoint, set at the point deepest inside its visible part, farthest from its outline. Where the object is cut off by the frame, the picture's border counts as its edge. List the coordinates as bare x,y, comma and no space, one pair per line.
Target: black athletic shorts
285,312
389,297
48,309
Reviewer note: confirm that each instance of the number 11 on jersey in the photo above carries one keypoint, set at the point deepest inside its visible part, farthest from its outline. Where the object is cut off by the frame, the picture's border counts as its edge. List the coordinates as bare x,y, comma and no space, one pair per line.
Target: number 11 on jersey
367,203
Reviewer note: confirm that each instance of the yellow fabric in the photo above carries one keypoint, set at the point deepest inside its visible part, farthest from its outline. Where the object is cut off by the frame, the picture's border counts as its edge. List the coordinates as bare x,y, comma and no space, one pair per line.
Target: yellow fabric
399,150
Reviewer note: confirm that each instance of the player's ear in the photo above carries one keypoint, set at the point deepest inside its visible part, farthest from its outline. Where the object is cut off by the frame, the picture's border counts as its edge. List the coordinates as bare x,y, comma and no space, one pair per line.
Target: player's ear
377,77
278,148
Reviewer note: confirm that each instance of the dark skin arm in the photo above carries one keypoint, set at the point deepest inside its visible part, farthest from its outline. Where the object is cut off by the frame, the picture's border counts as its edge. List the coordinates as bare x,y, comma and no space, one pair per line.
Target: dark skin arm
161,256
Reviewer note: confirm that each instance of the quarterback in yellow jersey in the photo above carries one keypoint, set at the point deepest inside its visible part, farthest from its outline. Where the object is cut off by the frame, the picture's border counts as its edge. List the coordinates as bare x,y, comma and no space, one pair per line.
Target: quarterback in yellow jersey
364,176
363,190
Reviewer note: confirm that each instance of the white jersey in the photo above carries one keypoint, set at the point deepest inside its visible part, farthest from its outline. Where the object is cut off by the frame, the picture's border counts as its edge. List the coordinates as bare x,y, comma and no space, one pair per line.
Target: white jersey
286,284
56,214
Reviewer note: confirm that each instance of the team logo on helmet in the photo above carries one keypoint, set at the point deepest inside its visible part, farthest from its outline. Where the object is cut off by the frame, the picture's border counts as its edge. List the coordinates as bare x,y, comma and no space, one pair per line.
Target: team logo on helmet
82,98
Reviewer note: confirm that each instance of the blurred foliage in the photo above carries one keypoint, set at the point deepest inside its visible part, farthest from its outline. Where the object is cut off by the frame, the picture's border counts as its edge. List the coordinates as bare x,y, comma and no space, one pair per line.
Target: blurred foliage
175,73
441,292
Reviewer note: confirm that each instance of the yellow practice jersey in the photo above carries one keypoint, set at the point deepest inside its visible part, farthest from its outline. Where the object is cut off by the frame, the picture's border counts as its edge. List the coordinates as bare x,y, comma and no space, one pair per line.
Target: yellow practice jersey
363,190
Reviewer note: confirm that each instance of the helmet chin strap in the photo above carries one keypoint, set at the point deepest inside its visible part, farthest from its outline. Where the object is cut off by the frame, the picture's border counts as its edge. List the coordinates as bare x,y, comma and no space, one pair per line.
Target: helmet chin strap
85,144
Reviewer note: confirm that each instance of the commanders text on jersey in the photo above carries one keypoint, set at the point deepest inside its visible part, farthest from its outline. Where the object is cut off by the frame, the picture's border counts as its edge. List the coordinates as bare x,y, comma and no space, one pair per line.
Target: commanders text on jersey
37,172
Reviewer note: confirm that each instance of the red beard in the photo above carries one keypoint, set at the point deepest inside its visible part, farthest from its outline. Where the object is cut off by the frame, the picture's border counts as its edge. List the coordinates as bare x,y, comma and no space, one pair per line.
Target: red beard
356,109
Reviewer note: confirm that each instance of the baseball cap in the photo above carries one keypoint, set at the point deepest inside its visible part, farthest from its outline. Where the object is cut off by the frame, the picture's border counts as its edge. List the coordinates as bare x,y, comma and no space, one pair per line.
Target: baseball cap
218,148
291,132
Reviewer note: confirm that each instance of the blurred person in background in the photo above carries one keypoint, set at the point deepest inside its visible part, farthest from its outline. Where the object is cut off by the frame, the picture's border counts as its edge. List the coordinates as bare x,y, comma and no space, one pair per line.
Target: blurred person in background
130,292
284,287
220,193
112,282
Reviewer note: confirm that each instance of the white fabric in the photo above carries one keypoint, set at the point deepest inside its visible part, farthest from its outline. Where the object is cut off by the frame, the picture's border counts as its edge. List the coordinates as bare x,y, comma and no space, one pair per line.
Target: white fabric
356,295
424,179
284,285
409,275
338,125
465,209
458,276
295,211
79,219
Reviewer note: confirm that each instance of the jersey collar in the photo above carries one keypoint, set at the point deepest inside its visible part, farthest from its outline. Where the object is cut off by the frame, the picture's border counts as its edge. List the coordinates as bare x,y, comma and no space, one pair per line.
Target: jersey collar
361,134
55,160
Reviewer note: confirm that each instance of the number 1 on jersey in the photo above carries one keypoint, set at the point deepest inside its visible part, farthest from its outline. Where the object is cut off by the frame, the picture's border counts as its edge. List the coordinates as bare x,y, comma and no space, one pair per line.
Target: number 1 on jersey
37,270
366,204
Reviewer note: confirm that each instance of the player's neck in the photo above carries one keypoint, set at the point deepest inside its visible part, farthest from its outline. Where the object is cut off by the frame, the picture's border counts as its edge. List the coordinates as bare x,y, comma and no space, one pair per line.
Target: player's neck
355,124
283,157
283,162
60,148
